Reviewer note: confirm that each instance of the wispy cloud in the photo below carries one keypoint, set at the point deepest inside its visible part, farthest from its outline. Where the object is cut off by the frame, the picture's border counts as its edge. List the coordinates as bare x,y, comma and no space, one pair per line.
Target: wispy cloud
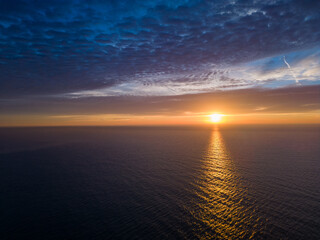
266,72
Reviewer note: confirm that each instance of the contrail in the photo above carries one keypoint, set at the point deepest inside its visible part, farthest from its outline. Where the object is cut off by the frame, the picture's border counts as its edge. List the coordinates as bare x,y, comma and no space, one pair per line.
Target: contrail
289,67
284,59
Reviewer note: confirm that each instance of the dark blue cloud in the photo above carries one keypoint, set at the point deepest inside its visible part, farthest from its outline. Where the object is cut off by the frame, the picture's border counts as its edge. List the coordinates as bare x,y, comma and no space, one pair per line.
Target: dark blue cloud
50,47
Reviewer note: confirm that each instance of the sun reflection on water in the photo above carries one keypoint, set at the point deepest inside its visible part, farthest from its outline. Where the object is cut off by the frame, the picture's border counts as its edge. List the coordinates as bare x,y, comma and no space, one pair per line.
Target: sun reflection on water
221,211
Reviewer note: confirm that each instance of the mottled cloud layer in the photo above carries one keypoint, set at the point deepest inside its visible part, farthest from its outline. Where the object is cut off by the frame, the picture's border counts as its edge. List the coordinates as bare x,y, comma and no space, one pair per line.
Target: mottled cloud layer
75,49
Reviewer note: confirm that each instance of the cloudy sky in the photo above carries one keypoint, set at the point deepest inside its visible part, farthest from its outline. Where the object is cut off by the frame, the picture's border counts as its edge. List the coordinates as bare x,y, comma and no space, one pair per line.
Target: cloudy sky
63,60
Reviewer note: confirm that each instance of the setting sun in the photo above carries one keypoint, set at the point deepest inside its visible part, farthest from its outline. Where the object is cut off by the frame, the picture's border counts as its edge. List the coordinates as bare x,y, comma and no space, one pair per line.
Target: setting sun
215,118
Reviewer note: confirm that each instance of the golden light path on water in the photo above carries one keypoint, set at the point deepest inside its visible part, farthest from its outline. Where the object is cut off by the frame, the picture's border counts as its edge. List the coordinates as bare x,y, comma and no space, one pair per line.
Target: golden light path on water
222,208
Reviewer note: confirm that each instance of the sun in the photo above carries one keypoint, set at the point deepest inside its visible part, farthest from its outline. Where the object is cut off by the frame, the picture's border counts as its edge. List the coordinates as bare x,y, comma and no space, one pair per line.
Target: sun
215,118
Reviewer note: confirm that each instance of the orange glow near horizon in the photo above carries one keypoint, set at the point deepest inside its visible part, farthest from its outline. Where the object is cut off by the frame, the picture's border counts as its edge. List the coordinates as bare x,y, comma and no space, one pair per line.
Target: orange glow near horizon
186,118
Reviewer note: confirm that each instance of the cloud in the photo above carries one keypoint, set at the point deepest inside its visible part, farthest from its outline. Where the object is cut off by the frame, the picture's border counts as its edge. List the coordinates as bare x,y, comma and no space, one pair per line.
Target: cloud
58,47
267,72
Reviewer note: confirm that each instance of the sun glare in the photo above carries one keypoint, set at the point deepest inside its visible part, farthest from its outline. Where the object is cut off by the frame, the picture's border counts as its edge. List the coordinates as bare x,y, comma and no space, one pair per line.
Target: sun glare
215,118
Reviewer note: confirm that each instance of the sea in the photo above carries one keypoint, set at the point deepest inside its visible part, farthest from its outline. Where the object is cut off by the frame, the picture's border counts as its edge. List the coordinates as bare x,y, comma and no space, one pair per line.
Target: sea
218,182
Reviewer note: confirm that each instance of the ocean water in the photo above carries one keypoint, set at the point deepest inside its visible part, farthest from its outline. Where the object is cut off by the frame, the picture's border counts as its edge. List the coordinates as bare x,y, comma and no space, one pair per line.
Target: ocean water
259,182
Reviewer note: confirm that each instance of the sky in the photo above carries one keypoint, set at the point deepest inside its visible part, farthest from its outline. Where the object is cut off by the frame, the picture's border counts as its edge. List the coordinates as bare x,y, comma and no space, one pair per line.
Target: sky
157,62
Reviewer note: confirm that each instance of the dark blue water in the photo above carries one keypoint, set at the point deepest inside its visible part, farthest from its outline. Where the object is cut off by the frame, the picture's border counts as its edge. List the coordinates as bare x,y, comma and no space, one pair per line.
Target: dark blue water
160,183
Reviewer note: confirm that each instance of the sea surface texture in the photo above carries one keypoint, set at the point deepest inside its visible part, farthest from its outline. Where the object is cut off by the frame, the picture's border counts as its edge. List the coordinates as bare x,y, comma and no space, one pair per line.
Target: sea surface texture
259,182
